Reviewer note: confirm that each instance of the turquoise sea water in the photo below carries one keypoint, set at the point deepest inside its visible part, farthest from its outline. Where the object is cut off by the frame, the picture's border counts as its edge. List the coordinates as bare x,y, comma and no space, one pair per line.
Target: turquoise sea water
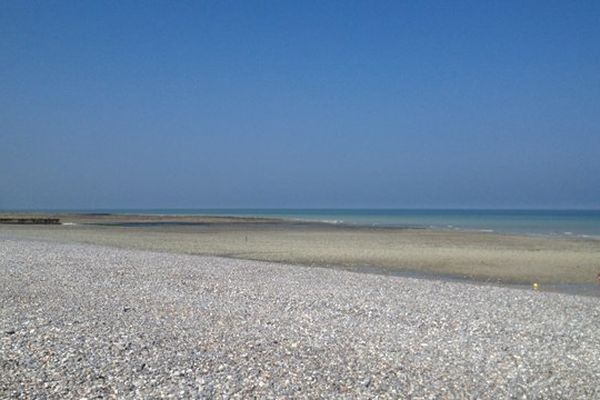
580,223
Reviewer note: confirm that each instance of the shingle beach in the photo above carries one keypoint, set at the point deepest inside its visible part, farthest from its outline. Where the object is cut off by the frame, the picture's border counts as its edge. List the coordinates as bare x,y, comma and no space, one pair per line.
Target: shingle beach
89,321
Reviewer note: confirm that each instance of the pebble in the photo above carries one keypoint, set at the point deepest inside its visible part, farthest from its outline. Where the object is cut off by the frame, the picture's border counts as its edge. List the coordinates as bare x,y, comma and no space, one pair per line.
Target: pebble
83,321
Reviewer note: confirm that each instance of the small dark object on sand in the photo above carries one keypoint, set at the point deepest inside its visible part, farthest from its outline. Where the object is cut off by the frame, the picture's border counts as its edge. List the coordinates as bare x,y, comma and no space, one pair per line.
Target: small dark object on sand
30,221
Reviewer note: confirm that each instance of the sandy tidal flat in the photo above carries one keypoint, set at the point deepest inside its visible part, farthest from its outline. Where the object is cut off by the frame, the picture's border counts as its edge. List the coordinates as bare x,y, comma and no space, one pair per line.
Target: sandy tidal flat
479,255
84,321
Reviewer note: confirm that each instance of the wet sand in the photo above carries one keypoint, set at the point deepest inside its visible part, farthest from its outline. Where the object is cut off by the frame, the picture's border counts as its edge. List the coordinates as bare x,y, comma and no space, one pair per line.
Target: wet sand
431,253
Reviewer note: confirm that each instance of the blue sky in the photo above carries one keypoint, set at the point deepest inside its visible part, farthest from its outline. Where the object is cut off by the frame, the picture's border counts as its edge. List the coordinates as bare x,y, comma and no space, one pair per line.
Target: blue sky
299,104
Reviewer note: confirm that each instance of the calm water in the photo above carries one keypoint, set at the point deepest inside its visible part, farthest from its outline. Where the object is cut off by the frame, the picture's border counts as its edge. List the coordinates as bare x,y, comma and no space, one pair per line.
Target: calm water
581,223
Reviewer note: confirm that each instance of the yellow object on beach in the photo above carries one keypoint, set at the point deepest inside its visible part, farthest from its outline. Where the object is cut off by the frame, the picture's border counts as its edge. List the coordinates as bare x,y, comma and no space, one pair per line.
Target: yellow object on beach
536,286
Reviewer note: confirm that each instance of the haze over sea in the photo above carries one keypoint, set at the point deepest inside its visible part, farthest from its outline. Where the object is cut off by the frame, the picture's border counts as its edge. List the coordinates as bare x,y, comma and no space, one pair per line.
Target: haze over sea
577,223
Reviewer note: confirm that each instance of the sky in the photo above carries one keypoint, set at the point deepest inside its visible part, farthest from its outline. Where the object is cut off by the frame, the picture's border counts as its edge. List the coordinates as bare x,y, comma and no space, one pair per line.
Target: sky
269,104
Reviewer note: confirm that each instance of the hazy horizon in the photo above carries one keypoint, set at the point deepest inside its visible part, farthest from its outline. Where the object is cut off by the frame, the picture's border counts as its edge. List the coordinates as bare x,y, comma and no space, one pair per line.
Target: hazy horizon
300,105
156,209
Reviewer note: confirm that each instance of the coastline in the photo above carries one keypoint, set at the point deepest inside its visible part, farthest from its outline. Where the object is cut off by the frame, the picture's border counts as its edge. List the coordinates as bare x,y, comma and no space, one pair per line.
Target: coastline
559,223
557,264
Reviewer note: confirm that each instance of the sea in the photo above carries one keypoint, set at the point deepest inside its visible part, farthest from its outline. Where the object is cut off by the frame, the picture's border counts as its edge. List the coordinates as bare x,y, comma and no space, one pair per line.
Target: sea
575,223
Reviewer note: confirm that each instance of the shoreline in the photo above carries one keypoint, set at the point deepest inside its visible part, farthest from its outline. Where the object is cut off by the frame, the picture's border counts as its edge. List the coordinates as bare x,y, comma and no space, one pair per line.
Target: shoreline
114,219
565,264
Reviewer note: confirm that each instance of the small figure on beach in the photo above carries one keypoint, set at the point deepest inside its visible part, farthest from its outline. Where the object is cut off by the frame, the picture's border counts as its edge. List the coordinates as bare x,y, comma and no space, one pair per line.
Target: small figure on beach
598,278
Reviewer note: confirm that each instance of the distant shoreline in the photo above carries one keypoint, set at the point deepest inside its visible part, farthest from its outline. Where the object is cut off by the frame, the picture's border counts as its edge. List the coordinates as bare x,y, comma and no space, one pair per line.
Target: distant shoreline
550,223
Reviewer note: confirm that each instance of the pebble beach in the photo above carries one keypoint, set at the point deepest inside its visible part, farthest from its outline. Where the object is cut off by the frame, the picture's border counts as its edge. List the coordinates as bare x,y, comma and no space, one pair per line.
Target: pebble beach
88,321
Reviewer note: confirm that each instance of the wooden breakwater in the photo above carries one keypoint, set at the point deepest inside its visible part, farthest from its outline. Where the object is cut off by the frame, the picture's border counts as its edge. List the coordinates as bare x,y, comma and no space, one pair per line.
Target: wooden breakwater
29,221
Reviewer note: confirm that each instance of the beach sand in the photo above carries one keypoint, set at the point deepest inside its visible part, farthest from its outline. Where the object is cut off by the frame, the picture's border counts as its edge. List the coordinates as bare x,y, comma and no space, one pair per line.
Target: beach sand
453,254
